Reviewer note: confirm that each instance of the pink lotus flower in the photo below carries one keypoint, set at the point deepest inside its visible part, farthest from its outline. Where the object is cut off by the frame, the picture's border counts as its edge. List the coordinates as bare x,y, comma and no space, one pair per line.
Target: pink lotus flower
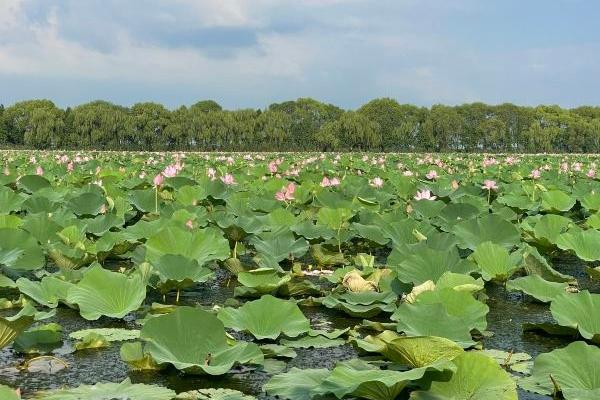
70,166
228,179
535,174
189,224
591,173
325,182
489,185
158,180
170,171
334,181
424,195
577,167
272,167
432,175
376,182
286,193
39,170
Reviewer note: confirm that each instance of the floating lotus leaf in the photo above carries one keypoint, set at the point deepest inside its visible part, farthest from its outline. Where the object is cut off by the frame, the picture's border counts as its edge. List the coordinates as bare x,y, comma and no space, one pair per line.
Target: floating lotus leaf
316,342
200,245
194,341
494,261
133,354
214,394
537,287
266,318
356,378
296,384
477,377
109,391
573,368
19,250
361,304
102,292
432,320
92,341
110,334
489,228
583,243
578,311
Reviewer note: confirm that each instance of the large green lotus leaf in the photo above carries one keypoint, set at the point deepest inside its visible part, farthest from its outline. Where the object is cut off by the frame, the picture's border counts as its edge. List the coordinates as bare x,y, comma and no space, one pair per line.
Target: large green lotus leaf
178,271
144,200
371,232
200,245
10,221
489,228
88,203
414,351
574,369
459,304
263,280
460,282
266,318
578,311
194,341
6,282
494,261
428,209
426,264
214,394
550,226
296,384
334,218
477,377
46,292
102,292
591,201
519,201
19,250
432,320
583,243
537,287
557,200
10,201
190,195
279,245
109,391
357,378
32,183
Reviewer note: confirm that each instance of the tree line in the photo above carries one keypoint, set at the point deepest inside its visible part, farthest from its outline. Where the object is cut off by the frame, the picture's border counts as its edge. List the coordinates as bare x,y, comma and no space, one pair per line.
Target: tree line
302,125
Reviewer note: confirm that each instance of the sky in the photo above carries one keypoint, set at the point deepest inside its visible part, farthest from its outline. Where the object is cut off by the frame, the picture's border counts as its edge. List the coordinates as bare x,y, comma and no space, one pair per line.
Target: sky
251,53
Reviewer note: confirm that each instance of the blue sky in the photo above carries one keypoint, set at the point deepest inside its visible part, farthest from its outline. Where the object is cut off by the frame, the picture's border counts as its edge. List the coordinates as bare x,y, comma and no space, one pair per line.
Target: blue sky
250,53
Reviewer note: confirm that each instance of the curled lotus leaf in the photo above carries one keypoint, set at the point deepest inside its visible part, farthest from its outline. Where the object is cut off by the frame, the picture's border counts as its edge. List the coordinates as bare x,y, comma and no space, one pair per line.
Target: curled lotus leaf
537,287
578,311
266,318
109,391
296,384
19,250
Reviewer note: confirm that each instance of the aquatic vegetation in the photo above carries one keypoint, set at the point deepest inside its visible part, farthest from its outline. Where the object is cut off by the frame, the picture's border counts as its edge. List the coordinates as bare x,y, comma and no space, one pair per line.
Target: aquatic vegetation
380,275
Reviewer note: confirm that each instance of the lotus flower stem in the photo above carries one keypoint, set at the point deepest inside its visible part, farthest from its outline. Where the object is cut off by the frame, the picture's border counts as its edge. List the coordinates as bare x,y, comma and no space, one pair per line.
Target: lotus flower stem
177,297
156,199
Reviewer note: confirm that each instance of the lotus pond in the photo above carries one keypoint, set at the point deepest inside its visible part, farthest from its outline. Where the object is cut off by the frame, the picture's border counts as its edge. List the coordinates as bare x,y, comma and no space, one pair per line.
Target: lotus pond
299,276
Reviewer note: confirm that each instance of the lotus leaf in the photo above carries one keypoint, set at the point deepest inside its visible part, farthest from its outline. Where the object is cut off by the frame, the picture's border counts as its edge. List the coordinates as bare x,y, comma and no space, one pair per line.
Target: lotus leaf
263,280
19,250
557,200
573,368
317,342
432,320
583,243
109,391
359,379
46,292
273,247
538,287
477,377
494,261
578,311
489,228
296,384
200,245
214,394
40,339
110,334
266,318
102,292
429,264
194,341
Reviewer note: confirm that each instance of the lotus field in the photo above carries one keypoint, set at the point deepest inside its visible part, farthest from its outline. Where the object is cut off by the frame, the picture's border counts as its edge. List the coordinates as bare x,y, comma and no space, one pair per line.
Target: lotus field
158,276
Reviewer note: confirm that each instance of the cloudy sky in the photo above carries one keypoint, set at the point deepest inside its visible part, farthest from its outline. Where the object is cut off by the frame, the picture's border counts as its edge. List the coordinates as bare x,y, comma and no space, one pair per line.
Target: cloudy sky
250,53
